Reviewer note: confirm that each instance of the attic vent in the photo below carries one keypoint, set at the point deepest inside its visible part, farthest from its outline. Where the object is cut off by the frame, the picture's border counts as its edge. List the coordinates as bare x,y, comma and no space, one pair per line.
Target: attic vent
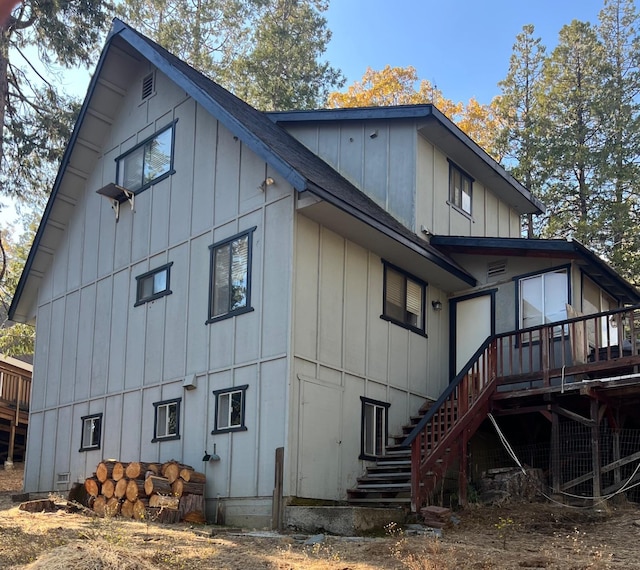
496,268
147,86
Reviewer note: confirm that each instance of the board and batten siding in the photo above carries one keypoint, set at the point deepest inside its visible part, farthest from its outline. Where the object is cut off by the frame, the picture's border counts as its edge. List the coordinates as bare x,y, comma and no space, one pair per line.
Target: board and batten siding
490,216
342,350
97,353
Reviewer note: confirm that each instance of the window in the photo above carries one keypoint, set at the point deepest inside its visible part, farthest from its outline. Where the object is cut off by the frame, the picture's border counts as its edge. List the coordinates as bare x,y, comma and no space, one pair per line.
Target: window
91,432
230,277
229,414
404,298
147,163
373,435
543,298
167,420
460,185
153,284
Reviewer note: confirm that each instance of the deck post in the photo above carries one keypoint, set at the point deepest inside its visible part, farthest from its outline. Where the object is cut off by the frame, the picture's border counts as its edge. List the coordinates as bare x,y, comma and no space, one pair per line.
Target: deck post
464,467
595,447
555,452
616,449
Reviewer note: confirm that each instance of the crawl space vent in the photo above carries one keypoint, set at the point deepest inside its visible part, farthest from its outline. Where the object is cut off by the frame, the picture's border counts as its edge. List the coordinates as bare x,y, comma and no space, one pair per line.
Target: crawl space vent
147,86
496,268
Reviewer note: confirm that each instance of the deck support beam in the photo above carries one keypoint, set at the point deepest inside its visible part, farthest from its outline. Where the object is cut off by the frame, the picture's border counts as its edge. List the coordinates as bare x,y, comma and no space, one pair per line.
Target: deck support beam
555,452
595,447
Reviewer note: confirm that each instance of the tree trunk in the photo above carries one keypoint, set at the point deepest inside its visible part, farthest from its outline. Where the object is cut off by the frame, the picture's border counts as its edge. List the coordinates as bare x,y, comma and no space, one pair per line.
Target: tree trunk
121,488
140,509
153,485
112,507
92,485
171,470
180,487
99,505
126,509
137,469
164,502
192,509
118,471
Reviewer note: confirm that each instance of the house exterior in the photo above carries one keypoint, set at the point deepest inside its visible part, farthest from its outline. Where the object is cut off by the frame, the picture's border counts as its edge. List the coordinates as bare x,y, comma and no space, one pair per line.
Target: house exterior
212,279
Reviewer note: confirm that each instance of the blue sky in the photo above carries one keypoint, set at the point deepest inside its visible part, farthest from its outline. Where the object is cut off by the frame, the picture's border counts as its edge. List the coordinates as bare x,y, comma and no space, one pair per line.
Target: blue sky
463,46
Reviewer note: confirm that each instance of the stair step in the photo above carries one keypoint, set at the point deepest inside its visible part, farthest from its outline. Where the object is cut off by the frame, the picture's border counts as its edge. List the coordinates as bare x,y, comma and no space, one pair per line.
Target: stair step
392,487
381,500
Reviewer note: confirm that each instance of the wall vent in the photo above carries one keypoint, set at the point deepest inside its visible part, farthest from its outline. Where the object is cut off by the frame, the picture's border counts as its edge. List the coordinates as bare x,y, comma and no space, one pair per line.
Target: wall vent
496,268
63,479
148,86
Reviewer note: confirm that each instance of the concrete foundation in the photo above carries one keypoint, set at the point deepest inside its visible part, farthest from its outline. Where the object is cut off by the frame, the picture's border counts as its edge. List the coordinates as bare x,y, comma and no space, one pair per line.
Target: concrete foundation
344,521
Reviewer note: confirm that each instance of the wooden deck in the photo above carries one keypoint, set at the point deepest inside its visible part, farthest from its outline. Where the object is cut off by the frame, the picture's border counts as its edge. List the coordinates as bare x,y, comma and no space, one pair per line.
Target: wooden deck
15,394
582,369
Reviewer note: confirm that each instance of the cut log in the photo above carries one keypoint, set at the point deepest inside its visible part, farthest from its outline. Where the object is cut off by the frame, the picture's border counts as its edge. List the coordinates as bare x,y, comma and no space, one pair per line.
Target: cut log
140,509
135,490
161,485
171,470
181,487
111,507
126,509
164,502
164,515
104,470
121,489
194,517
99,505
192,509
118,471
108,488
39,506
78,494
192,476
92,486
137,469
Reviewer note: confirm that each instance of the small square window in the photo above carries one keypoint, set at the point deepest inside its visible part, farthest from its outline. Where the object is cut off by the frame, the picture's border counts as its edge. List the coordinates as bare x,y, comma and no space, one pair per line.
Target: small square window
91,432
230,280
147,163
230,406
167,420
404,299
374,433
153,284
460,188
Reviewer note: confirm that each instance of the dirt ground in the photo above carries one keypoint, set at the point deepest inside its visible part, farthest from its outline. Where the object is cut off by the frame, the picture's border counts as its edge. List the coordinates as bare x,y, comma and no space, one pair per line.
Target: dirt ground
517,536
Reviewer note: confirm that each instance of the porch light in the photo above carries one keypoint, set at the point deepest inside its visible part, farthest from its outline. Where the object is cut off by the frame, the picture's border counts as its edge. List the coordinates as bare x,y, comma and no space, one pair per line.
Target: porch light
437,305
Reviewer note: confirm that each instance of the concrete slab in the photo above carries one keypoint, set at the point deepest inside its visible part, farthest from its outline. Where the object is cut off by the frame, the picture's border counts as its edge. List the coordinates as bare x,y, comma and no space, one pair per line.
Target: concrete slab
344,521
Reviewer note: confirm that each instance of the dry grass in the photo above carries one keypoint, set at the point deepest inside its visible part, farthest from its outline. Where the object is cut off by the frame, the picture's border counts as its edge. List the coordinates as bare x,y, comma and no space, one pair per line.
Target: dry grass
537,536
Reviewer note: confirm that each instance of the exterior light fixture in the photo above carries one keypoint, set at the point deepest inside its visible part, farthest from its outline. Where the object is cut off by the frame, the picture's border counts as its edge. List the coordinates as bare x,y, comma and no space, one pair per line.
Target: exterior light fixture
437,305
268,181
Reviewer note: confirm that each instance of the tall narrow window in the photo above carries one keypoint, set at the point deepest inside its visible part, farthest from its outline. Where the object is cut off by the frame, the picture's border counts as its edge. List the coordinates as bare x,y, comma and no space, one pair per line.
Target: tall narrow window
153,284
373,435
147,163
231,277
460,185
91,432
404,298
543,298
230,405
167,420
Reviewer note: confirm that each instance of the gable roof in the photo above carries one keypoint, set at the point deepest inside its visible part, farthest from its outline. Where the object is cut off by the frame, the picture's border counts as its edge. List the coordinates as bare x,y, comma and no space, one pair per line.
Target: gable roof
593,266
299,166
444,133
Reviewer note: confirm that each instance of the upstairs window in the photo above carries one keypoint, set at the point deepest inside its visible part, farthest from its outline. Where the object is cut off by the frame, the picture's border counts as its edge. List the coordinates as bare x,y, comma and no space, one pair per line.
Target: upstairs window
543,298
153,284
167,420
91,432
404,299
460,186
230,280
147,163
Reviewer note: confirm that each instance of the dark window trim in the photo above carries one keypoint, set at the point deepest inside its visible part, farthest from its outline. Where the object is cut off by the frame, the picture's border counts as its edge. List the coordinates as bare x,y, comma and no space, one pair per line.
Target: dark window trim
516,279
424,285
156,438
386,406
451,199
83,447
142,300
171,170
217,394
212,249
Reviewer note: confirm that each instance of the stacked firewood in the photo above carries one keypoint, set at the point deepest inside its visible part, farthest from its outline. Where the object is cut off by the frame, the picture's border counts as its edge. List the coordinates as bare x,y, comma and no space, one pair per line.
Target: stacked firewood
168,492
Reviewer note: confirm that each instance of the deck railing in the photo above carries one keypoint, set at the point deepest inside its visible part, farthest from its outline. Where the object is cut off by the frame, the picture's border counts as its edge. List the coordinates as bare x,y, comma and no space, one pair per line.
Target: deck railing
599,345
15,389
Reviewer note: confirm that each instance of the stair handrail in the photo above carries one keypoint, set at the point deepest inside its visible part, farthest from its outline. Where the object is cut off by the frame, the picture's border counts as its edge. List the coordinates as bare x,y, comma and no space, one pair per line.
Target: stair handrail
449,390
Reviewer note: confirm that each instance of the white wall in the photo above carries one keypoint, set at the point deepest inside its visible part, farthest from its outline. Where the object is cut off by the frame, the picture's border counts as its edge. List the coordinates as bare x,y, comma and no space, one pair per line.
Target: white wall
97,353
